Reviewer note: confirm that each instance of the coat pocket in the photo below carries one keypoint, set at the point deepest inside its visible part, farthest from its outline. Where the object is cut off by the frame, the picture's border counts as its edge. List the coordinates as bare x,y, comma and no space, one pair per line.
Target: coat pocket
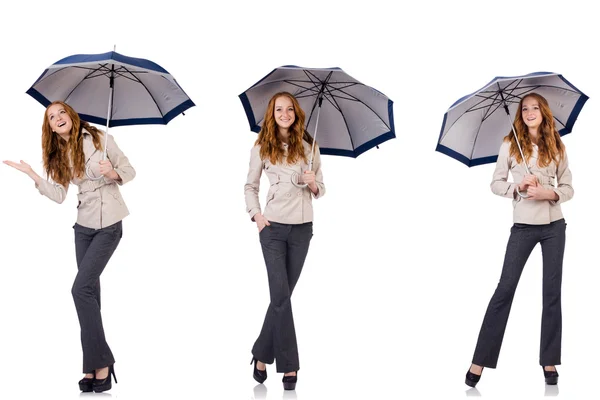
113,191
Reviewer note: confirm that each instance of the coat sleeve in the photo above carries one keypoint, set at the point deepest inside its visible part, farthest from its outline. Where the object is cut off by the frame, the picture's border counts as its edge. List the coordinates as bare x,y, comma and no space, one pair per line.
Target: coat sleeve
500,184
564,189
318,174
54,191
119,161
252,185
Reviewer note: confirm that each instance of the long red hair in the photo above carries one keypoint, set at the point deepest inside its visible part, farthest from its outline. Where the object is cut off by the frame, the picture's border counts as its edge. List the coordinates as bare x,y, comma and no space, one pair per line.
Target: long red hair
550,145
271,146
56,151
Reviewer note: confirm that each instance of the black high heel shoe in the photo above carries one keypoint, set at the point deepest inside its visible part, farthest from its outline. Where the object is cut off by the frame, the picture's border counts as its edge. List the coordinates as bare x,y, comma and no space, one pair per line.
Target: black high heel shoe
471,378
289,382
551,377
102,385
259,375
86,384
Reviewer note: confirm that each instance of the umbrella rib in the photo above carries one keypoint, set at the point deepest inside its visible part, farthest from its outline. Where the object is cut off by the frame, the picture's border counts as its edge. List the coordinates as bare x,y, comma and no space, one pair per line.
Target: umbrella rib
509,96
62,69
105,71
132,73
475,141
330,99
320,82
57,70
306,89
349,97
366,105
81,81
489,113
343,118
486,116
145,87
475,107
119,71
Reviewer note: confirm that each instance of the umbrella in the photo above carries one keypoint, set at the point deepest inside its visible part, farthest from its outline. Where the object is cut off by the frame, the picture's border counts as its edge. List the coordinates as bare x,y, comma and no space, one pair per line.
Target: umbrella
349,117
475,125
112,90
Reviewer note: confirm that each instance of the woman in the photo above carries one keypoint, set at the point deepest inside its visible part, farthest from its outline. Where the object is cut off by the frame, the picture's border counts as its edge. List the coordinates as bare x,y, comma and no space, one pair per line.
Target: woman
282,150
537,218
72,152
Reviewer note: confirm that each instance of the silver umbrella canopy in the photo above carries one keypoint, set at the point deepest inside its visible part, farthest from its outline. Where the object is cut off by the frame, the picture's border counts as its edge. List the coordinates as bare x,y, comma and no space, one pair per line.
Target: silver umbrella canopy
112,89
475,125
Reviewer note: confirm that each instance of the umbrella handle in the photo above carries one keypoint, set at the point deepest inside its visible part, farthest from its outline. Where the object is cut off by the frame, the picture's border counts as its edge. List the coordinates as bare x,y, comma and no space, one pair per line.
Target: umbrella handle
524,196
312,149
90,177
294,180
295,175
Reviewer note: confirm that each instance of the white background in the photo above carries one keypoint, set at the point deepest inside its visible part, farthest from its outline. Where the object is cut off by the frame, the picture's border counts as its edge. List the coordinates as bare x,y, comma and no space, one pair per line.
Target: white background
408,243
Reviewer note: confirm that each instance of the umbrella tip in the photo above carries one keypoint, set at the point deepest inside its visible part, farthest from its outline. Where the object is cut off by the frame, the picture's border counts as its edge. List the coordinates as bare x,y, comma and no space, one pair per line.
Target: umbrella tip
377,147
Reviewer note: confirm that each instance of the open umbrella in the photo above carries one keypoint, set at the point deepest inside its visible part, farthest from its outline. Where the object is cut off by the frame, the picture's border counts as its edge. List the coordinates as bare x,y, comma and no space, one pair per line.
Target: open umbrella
475,125
112,90
349,117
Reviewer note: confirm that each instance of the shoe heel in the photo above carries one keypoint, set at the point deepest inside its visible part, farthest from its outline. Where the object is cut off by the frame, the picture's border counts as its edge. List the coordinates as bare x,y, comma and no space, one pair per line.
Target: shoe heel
289,382
258,375
102,385
551,377
112,371
472,379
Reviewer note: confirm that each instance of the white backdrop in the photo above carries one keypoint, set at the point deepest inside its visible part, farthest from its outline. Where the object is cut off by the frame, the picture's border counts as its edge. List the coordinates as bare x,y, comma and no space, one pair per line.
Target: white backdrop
408,243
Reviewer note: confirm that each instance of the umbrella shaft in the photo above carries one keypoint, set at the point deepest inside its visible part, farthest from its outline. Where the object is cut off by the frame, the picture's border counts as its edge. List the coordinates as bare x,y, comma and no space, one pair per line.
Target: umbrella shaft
518,143
110,97
312,150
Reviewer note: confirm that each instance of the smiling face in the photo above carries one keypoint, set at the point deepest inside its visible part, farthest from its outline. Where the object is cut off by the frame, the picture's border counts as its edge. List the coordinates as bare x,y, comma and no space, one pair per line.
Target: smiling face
59,120
284,113
531,113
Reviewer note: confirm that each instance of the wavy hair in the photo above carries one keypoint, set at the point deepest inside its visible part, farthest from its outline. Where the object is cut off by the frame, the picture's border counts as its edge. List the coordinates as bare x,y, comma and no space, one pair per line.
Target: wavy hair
65,160
270,144
550,145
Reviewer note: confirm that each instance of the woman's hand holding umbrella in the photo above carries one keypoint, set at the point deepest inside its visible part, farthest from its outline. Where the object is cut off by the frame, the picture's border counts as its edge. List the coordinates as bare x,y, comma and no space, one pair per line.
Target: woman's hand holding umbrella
528,181
308,178
108,171
538,192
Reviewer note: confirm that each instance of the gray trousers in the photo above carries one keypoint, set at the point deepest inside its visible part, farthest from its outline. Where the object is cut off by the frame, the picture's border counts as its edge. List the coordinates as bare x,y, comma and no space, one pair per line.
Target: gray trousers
523,239
93,248
284,248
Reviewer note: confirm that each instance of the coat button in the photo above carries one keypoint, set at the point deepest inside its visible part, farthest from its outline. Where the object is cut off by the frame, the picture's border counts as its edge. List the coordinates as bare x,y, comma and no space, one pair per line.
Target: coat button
299,193
288,194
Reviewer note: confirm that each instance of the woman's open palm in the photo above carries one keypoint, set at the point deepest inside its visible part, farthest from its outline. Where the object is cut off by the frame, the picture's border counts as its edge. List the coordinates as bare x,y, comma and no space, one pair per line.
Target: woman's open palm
21,166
